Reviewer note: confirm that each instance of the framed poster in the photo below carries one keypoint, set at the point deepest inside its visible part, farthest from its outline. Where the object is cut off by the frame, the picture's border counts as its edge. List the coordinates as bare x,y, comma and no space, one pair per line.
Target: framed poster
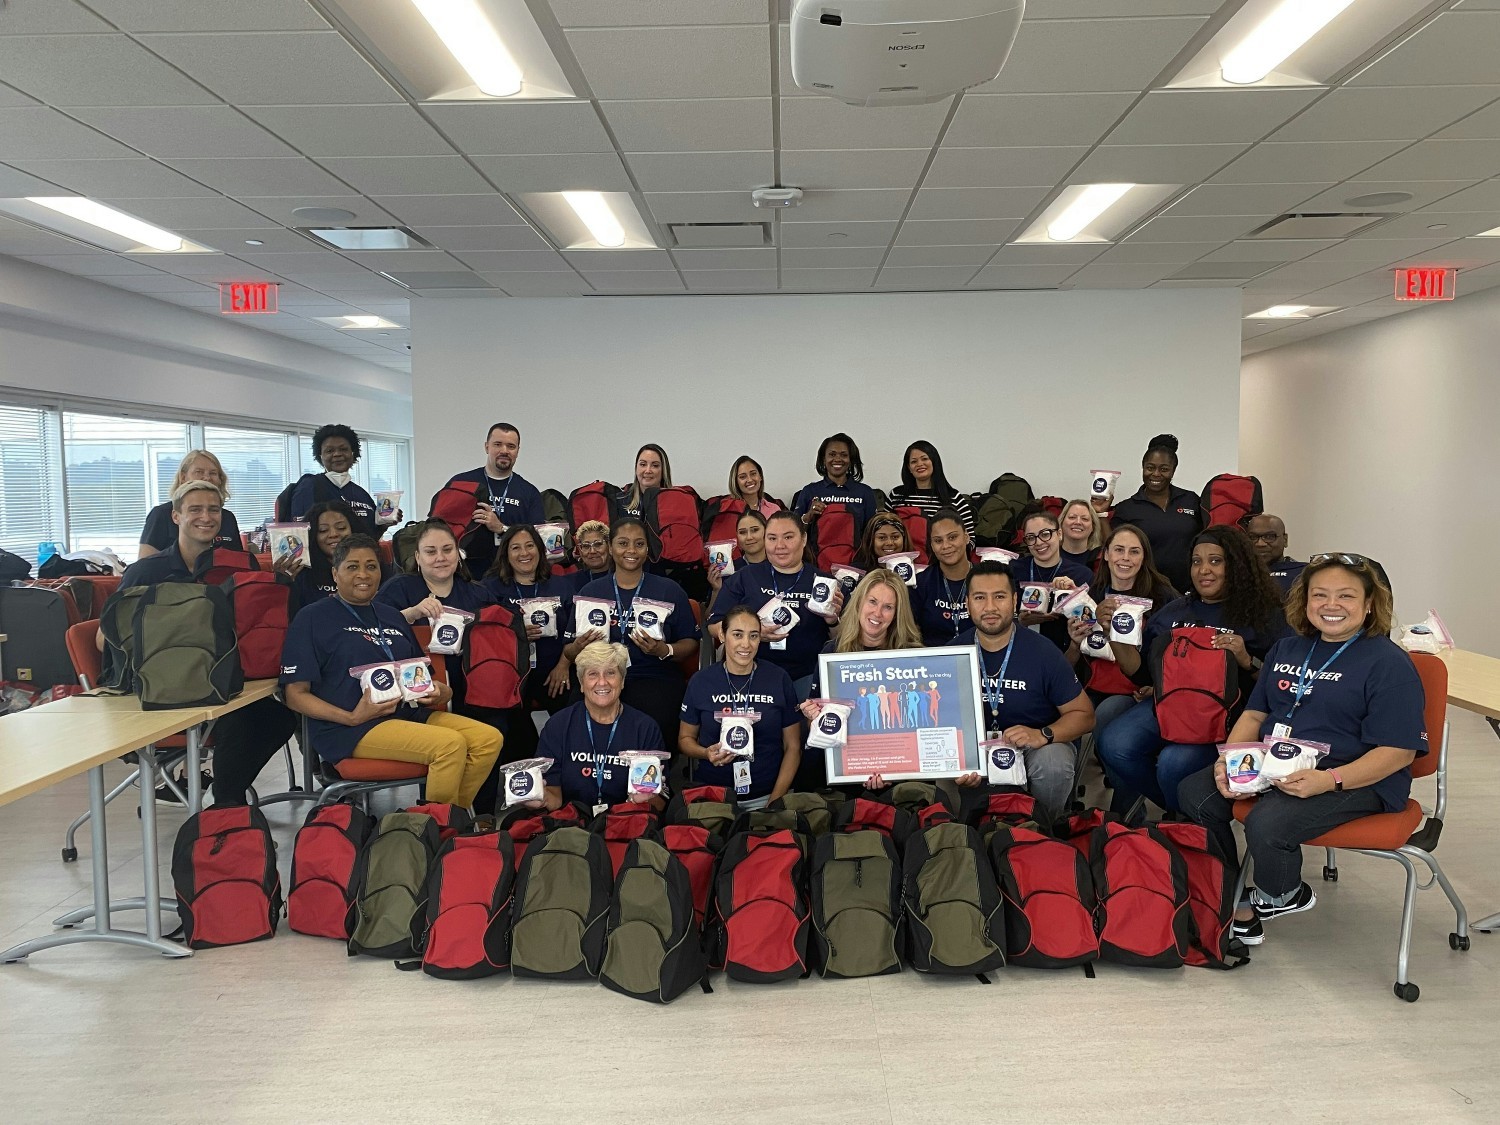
917,713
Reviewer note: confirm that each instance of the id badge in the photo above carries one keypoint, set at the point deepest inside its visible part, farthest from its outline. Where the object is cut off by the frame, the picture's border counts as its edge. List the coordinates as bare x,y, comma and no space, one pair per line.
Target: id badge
741,776
628,660
779,646
1281,730
498,537
601,809
532,647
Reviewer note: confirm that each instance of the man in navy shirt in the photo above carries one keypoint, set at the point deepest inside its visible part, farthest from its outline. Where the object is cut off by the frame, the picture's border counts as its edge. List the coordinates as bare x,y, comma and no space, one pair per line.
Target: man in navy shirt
1268,535
503,497
1031,697
244,740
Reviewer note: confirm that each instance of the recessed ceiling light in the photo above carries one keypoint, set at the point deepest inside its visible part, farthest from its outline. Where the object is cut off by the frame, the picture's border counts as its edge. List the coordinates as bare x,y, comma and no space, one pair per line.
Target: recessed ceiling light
356,321
1095,213
367,238
1280,312
1493,233
99,225
590,220
590,207
1276,38
1379,199
470,37
1092,202
254,242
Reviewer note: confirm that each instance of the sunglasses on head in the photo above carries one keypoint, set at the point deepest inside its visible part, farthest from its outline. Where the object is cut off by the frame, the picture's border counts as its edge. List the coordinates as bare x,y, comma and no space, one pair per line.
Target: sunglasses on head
1345,560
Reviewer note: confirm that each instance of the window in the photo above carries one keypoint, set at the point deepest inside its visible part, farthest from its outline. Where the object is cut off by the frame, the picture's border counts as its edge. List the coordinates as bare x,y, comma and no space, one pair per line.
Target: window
116,470
258,467
382,466
30,492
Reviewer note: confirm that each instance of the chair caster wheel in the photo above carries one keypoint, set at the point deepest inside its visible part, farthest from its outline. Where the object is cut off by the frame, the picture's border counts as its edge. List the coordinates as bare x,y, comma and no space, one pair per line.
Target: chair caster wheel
1408,992
1459,942
70,855
1330,874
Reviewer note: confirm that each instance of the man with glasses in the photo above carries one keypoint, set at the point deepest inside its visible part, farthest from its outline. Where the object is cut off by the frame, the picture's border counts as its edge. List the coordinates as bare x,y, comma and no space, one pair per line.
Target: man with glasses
1268,536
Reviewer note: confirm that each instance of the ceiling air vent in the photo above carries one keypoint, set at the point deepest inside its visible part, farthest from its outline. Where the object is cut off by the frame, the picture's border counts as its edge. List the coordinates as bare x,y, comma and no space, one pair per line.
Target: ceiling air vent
713,236
1331,225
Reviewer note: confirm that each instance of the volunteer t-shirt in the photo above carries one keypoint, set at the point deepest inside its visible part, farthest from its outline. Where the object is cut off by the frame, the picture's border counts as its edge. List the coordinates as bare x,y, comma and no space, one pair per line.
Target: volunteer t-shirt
160,532
941,607
1191,610
754,585
585,754
312,587
1104,676
859,498
931,503
327,639
1171,532
1369,696
1055,629
767,690
581,578
548,649
679,624
405,590
1085,559
1285,571
315,488
1036,684
514,498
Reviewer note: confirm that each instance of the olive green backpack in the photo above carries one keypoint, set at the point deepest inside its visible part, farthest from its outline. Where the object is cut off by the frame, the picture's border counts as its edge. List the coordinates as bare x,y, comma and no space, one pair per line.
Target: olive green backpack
390,913
652,947
858,928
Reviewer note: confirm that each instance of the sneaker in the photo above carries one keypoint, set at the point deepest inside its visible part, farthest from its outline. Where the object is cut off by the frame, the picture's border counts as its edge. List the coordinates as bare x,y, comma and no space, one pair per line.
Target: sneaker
1304,899
1249,933
165,796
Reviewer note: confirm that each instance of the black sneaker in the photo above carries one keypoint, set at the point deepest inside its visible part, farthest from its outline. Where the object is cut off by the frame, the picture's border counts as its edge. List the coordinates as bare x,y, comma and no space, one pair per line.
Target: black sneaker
1304,899
165,796
1249,933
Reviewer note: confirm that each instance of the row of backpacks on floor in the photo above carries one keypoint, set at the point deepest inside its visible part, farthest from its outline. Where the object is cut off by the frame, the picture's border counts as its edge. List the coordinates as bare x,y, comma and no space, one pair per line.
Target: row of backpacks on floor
948,881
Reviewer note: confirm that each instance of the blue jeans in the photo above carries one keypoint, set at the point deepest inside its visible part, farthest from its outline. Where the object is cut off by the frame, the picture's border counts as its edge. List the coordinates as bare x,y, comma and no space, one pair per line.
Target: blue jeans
1139,763
1108,708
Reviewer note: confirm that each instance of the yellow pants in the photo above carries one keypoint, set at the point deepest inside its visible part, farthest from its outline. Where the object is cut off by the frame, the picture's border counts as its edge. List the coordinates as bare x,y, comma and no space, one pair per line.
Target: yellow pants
458,752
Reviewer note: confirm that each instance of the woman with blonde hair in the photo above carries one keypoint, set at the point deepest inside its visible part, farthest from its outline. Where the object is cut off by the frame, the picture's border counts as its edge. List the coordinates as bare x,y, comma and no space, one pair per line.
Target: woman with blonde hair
160,533
1083,531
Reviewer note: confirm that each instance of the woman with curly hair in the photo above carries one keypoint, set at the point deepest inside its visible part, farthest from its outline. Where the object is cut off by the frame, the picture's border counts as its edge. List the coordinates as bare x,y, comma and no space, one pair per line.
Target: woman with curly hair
336,448
1232,594
884,534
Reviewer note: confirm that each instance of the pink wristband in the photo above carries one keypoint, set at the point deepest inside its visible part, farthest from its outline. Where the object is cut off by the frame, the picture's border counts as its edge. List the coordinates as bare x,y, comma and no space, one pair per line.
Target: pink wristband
1338,782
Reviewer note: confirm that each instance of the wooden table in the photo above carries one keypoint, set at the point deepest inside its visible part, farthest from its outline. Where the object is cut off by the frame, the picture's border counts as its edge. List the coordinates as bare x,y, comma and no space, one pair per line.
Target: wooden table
42,746
1474,685
254,691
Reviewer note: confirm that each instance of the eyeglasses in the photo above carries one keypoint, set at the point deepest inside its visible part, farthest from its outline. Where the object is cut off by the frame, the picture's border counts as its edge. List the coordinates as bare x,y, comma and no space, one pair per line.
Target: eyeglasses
592,545
1043,536
1264,536
1346,560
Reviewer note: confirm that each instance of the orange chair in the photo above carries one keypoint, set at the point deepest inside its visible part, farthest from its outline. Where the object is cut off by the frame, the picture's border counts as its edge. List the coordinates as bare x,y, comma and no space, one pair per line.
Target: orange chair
1397,836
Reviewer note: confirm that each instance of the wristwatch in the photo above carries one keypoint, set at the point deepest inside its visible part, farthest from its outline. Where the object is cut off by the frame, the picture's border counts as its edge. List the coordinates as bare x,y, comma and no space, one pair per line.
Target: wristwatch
1047,734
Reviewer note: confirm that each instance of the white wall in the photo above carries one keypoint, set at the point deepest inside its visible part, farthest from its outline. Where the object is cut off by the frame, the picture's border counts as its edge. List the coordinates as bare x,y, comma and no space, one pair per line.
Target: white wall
1385,440
1050,385
66,335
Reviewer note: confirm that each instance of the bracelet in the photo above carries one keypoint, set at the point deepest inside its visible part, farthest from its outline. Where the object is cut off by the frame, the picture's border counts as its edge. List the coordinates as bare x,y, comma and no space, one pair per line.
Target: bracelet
1338,782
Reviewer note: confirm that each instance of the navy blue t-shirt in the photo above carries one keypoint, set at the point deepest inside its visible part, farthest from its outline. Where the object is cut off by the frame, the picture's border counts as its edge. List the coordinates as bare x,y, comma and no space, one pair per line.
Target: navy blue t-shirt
1171,531
160,532
1037,681
858,497
1055,629
548,649
515,499
591,770
680,622
581,578
1285,571
1191,610
311,589
753,585
1370,696
1086,559
309,492
767,690
327,639
402,591
940,605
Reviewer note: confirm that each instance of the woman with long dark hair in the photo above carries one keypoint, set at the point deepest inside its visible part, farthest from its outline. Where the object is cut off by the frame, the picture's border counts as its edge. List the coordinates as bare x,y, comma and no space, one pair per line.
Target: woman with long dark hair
924,485
328,524
653,469
747,484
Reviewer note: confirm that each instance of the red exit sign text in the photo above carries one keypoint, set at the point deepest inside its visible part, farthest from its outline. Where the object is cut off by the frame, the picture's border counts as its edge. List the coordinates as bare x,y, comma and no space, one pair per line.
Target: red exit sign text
244,298
1426,285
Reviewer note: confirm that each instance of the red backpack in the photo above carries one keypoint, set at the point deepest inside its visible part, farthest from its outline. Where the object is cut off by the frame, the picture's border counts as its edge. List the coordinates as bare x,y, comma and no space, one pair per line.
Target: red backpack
327,870
1049,900
698,849
496,657
263,604
721,517
622,823
224,873
761,915
1210,885
454,504
915,522
466,932
450,819
863,814
834,533
594,501
675,514
1228,500
1140,881
1197,686
524,825
218,564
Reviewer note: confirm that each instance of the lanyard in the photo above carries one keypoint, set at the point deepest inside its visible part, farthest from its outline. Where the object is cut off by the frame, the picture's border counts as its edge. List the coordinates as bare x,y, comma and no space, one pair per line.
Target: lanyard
998,682
599,760
498,502
796,580
620,608
1304,681
1049,577
956,615
739,692
377,640
521,593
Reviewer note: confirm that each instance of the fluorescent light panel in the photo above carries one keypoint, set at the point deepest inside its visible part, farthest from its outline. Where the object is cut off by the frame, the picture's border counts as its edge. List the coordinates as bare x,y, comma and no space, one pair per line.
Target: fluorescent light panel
1492,233
98,224
591,208
589,220
356,321
472,40
1095,213
1090,205
1278,37
1280,312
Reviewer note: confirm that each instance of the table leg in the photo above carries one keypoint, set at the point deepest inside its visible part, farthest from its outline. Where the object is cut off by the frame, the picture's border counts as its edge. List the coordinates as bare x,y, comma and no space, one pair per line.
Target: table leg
195,770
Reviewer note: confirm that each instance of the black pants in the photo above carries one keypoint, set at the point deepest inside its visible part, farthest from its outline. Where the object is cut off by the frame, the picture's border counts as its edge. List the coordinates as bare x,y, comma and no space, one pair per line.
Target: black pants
1276,828
518,729
244,741
661,698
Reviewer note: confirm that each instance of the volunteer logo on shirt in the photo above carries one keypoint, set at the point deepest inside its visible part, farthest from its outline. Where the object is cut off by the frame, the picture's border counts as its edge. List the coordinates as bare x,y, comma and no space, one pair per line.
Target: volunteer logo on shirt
446,635
1187,511
829,722
598,618
782,616
1003,757
647,618
1122,622
519,783
382,679
540,617
737,739
1285,751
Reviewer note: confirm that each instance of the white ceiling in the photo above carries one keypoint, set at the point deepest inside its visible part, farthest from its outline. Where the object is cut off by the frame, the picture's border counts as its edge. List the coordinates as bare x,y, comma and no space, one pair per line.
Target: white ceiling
217,118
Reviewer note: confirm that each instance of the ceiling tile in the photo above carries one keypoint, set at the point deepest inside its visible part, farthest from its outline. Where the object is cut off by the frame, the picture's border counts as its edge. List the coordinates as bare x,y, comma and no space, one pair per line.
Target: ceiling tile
1023,277
409,175
1001,167
972,256
1441,160
1060,9
737,260
956,232
852,206
1377,251
36,17
1180,117
516,261
98,264
1423,193
1003,120
1206,228
242,177
703,171
1154,164
1071,56
1127,276
641,281
1456,224
835,280
40,133
280,208
1037,255
117,179
16,239
1244,199
705,207
823,123
976,203
689,125
836,234
204,214
1456,49
730,281
657,13
482,210
400,262
1379,113
593,171
285,68
209,15
274,240
1275,162
9,97
301,262
1164,253
1269,250
160,284
70,70
924,277
1302,277
468,240
15,183
352,130
667,62
829,257
590,262
185,131
1484,124
536,126
539,284
869,168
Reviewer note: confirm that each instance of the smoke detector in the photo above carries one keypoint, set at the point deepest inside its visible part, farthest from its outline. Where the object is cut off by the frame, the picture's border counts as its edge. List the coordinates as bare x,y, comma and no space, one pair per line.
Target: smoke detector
776,197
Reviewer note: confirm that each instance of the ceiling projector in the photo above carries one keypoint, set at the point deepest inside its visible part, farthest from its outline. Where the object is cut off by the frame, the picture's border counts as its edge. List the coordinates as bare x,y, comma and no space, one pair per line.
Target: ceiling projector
900,52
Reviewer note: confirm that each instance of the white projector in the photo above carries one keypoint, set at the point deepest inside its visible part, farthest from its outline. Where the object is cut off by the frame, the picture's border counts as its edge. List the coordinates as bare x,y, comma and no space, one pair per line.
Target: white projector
900,52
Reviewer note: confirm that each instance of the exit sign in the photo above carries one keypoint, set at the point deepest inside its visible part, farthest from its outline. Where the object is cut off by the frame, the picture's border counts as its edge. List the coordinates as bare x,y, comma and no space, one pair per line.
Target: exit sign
1426,285
245,298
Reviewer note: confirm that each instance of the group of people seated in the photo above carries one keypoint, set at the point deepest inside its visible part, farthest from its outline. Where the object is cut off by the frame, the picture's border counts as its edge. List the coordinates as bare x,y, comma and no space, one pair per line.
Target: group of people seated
1320,627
